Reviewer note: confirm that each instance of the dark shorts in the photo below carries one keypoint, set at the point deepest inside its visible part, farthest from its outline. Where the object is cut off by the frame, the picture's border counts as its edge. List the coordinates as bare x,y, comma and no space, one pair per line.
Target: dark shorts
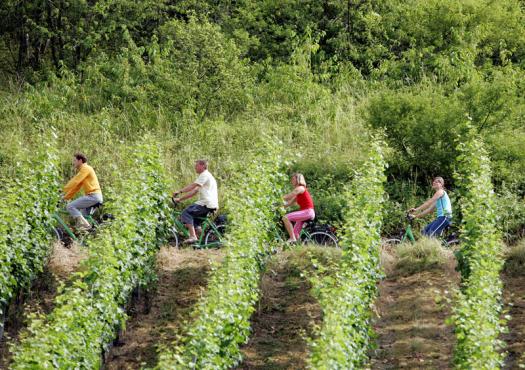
436,227
193,214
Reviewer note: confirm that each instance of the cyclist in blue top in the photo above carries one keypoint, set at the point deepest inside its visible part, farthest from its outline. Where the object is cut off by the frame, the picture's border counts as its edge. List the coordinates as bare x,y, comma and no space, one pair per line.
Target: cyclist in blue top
441,202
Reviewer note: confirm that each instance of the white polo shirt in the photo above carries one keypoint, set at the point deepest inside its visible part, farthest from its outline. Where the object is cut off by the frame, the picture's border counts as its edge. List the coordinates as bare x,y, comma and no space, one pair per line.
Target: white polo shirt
208,195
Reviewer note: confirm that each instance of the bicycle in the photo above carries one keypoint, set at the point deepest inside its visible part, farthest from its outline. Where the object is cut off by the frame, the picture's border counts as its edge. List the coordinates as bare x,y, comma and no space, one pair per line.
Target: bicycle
448,236
66,234
211,235
318,234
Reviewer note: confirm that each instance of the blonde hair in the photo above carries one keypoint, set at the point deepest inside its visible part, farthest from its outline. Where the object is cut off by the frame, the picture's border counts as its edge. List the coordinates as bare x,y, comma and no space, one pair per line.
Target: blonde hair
440,180
299,177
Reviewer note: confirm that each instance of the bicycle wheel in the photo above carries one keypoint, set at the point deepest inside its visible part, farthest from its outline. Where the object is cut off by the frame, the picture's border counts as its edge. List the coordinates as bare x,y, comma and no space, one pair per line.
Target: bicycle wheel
214,238
62,236
451,240
390,241
173,237
58,233
323,238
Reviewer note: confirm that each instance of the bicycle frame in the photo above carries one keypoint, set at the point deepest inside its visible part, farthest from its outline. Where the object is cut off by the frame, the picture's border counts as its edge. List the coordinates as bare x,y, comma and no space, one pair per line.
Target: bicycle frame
89,218
207,224
408,234
65,226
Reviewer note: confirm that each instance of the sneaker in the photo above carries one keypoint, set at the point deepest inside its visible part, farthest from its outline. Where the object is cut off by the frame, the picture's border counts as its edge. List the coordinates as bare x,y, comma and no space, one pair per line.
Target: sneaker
291,241
82,224
190,241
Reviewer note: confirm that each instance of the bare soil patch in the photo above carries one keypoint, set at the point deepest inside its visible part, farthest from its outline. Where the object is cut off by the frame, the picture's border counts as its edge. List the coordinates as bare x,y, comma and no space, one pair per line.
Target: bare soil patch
182,277
410,327
40,297
286,313
514,300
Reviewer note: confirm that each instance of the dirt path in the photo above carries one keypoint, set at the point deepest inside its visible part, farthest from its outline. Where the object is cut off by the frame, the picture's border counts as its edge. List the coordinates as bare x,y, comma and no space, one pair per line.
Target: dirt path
182,277
285,314
514,298
40,298
410,326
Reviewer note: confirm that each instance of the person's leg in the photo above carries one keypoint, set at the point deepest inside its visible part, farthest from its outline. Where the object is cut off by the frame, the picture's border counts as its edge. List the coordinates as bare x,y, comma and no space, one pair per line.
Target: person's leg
442,226
435,227
188,219
95,198
299,217
289,228
78,204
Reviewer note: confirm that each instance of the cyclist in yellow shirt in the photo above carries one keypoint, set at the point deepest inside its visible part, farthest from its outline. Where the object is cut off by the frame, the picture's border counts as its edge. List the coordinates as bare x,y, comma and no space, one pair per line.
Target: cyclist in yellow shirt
85,179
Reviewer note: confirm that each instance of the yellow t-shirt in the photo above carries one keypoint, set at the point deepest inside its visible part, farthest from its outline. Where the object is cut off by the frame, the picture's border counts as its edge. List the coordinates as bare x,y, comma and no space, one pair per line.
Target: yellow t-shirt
85,179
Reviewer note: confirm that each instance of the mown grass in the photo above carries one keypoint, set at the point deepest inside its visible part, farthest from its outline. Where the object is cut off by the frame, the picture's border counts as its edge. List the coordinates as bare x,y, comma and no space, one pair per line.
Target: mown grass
426,254
515,259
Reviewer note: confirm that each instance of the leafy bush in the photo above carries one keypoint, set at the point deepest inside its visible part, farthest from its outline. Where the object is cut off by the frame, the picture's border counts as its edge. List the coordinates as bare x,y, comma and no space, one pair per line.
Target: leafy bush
478,306
26,224
510,210
222,316
202,73
346,295
89,310
420,123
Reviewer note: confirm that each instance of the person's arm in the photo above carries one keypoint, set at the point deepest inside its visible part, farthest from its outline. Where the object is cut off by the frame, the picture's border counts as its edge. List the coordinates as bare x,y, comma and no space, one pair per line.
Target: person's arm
290,197
429,205
74,185
430,202
426,211
290,203
190,191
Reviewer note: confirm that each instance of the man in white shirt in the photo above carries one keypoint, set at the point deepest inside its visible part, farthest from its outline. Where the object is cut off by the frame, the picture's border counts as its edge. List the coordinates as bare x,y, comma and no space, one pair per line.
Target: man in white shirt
208,202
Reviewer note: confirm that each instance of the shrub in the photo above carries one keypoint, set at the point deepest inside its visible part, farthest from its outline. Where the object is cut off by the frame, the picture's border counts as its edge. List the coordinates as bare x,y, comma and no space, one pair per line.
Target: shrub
202,73
25,220
510,208
222,316
346,295
478,305
121,257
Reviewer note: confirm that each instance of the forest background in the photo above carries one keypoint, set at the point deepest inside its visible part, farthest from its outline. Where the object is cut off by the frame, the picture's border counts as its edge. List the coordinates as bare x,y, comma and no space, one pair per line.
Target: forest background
216,78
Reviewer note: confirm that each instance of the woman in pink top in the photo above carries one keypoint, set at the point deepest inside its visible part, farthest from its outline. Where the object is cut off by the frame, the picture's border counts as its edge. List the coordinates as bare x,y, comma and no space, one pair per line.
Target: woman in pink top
301,197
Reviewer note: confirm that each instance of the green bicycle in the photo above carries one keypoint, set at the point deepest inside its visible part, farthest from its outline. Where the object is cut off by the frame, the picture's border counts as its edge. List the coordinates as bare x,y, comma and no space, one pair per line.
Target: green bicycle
67,234
448,237
314,233
211,235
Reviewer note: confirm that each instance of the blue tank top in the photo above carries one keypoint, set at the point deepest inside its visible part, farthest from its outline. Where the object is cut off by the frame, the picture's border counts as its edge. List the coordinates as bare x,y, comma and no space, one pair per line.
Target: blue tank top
443,206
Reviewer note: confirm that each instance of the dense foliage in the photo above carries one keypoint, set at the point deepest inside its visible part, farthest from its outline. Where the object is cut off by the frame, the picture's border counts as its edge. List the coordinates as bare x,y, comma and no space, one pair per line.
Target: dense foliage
28,199
478,307
347,294
211,79
416,68
221,319
90,309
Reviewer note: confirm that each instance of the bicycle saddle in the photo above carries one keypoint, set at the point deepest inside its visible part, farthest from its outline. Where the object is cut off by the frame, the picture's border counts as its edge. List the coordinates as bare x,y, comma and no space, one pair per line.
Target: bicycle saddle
93,208
307,223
